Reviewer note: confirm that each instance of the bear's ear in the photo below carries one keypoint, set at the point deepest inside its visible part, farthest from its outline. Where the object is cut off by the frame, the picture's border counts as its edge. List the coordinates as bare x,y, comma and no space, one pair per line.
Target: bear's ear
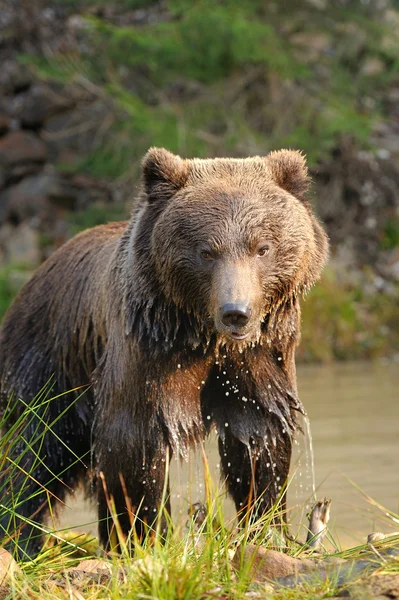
288,169
164,173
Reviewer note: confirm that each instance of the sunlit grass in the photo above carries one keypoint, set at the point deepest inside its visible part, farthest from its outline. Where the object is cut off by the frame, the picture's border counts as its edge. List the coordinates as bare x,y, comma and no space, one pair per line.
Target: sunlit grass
195,559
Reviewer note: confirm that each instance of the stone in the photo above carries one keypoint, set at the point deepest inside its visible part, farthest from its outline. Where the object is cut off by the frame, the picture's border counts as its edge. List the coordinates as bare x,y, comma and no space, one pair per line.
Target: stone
20,147
311,44
390,266
20,244
14,76
77,130
34,197
4,124
268,565
372,66
379,587
89,571
8,567
94,565
41,102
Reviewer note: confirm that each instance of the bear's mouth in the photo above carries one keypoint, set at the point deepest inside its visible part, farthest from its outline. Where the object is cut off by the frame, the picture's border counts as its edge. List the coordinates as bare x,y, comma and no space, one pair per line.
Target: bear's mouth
236,335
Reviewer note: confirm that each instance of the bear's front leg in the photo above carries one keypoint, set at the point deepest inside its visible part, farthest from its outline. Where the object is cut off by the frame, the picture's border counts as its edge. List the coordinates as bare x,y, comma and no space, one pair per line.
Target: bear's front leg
131,487
256,472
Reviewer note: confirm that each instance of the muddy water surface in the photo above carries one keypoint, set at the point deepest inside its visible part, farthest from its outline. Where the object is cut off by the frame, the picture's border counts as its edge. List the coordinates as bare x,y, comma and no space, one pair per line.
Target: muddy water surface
354,417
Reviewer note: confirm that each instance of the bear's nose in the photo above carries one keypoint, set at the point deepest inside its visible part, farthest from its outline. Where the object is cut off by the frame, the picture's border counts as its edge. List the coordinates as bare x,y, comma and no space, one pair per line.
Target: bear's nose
236,315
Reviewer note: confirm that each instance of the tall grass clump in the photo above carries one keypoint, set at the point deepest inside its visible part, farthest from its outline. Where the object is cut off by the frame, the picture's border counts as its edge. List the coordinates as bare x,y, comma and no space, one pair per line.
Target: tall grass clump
22,452
199,558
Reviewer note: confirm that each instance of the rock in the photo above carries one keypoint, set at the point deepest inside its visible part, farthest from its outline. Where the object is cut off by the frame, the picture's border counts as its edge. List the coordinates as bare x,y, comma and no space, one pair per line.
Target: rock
41,102
376,536
21,245
14,76
386,586
379,587
311,44
390,267
372,66
21,147
268,565
91,570
94,565
77,130
4,124
8,566
35,196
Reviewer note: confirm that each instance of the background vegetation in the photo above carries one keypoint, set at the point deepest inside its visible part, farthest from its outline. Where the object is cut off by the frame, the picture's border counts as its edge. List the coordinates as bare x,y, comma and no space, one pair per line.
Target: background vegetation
206,78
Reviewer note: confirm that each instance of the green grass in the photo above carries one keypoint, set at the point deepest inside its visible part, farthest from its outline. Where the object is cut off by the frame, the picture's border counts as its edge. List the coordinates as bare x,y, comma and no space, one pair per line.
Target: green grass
345,320
208,79
193,562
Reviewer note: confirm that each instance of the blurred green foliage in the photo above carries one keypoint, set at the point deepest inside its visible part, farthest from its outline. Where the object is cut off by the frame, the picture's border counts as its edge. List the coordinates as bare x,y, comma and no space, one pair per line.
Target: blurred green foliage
390,237
225,77
341,321
12,277
7,291
97,214
207,78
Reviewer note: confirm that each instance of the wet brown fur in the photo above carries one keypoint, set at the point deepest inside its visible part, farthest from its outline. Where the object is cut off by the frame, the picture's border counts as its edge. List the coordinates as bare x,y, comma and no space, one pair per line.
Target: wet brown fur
130,310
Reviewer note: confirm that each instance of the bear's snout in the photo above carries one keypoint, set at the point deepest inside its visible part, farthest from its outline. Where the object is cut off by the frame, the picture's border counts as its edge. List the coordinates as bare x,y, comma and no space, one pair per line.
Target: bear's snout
235,315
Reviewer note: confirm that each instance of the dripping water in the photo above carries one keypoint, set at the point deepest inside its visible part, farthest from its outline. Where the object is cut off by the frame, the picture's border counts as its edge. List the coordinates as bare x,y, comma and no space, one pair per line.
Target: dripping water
309,457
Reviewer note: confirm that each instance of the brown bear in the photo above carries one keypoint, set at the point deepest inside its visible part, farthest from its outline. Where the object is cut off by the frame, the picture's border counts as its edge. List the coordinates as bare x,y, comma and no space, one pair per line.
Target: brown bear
184,318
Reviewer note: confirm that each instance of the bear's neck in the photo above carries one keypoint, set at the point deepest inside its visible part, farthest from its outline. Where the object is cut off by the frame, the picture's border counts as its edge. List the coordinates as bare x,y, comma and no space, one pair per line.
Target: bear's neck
162,328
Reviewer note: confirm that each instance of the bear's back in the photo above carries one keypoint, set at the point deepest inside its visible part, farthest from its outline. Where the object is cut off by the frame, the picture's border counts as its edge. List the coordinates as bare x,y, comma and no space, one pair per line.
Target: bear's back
44,332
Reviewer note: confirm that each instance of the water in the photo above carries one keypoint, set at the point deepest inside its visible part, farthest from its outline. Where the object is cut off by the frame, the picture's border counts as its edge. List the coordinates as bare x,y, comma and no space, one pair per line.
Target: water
354,417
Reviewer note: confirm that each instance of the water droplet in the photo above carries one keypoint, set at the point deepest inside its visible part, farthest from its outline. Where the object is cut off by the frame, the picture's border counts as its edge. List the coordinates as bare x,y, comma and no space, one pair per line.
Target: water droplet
226,424
238,480
179,366
227,393
208,417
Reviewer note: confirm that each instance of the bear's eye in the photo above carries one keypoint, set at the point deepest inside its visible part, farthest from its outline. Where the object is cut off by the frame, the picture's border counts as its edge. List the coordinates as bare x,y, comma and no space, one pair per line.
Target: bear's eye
263,250
206,255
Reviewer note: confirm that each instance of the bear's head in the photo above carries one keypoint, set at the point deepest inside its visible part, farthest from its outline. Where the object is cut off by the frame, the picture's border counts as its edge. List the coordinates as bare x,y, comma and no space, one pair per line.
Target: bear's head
230,239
